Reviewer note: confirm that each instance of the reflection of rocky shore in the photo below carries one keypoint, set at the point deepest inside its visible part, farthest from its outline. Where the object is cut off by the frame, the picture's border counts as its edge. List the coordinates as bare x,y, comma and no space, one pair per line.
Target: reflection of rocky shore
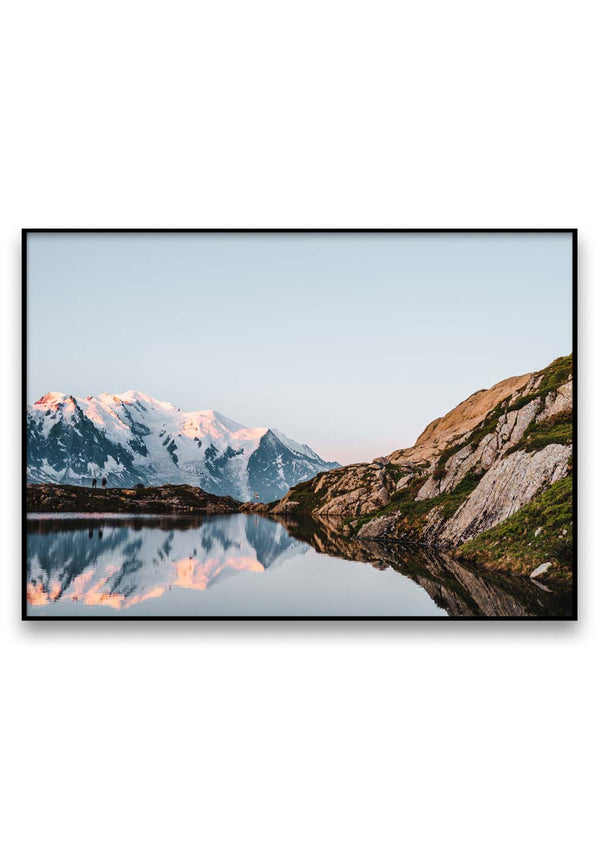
95,523
454,586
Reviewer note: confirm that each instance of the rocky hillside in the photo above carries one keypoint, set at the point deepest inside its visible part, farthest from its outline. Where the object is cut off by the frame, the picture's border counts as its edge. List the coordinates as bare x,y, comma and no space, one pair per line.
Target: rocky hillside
152,500
492,479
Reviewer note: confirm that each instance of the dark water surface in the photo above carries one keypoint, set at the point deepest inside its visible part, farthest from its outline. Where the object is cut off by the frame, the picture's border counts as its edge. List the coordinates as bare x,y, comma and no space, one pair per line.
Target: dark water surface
246,565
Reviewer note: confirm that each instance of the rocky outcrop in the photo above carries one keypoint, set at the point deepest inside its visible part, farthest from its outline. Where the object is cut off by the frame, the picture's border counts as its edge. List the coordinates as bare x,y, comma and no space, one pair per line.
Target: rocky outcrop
155,500
356,490
468,471
509,431
510,483
361,492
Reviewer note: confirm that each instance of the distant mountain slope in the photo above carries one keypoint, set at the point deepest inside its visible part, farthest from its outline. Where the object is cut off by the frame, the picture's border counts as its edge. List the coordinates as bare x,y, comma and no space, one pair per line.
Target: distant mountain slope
132,438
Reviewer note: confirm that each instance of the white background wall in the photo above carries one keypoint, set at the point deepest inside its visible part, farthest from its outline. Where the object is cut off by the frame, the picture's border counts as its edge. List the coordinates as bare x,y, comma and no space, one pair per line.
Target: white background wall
285,114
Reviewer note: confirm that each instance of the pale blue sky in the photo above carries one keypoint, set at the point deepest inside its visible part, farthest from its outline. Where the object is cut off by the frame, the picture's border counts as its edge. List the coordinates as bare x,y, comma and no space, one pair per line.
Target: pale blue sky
352,343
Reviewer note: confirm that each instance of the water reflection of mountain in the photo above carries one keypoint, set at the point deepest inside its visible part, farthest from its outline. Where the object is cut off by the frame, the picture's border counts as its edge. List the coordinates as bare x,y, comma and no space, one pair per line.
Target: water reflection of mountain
119,563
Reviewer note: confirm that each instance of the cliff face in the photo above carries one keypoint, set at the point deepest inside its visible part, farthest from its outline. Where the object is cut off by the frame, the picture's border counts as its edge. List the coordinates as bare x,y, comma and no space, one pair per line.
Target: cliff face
469,472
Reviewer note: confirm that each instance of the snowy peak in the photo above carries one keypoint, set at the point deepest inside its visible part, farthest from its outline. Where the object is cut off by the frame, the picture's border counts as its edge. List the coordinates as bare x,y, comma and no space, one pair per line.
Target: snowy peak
295,446
210,423
133,438
50,399
132,396
56,400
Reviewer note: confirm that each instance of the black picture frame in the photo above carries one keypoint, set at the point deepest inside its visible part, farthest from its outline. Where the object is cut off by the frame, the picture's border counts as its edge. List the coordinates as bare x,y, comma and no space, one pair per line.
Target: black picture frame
52,618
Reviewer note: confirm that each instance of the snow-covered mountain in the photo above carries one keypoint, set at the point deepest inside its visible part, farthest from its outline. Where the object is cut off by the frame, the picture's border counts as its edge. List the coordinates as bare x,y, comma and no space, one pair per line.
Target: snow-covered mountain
132,438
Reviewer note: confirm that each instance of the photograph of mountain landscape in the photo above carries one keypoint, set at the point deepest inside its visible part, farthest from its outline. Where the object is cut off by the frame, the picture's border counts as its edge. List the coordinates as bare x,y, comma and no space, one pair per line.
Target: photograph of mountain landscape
299,424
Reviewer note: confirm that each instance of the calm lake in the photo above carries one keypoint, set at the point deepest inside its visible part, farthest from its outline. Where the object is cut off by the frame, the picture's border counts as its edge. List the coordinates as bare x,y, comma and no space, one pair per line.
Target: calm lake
246,565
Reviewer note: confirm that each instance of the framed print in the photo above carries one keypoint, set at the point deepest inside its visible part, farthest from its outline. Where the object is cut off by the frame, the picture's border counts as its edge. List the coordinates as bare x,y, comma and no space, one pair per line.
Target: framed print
305,424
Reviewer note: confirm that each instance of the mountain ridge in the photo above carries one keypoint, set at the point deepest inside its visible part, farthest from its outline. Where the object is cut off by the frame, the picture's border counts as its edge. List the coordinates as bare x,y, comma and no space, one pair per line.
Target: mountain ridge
133,438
